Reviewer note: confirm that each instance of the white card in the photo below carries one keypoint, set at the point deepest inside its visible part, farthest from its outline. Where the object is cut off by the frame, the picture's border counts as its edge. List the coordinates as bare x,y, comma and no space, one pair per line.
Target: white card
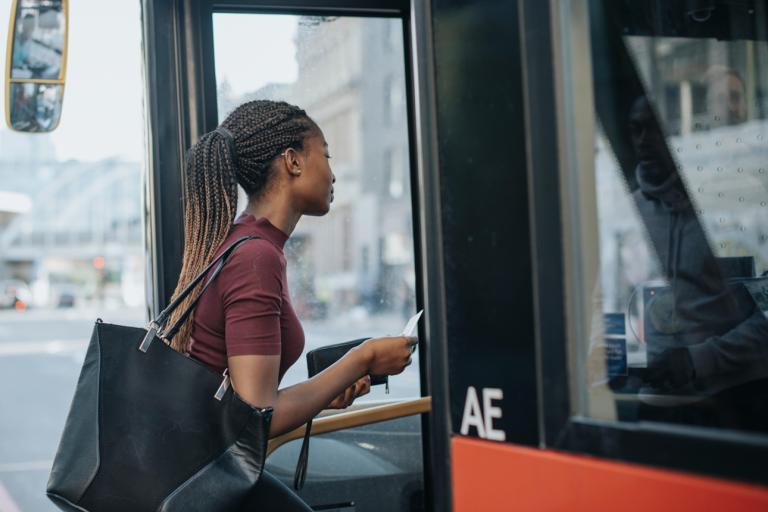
410,327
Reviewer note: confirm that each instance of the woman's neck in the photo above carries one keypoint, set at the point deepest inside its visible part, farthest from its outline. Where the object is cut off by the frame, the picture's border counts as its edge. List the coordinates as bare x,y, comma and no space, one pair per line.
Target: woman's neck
277,211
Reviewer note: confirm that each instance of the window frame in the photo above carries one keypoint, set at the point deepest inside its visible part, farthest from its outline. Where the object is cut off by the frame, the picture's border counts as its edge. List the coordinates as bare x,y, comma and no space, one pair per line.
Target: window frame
728,454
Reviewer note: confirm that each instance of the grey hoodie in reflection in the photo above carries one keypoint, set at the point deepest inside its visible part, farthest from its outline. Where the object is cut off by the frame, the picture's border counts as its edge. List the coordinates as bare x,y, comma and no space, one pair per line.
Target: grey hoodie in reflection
717,321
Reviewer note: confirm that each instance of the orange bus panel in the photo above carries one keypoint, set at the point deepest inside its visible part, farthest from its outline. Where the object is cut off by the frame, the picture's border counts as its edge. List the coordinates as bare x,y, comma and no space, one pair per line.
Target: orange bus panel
489,476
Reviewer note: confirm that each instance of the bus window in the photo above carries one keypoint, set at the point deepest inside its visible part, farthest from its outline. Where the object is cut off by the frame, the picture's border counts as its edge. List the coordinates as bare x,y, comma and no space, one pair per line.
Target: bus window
351,274
71,240
675,327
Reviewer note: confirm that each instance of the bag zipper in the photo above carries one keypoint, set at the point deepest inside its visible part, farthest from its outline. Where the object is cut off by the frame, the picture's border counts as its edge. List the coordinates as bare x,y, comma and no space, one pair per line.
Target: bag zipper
224,386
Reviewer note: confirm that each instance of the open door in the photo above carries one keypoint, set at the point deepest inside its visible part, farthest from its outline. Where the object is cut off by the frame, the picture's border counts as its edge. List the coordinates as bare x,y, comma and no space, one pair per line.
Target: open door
351,273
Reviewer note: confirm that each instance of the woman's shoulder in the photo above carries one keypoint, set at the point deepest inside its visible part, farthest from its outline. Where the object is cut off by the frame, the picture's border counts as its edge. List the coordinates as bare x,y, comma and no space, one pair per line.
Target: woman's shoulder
256,254
255,267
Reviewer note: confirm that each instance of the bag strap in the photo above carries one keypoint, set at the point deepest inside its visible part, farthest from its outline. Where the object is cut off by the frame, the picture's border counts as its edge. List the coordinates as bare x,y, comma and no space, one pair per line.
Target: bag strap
159,322
301,466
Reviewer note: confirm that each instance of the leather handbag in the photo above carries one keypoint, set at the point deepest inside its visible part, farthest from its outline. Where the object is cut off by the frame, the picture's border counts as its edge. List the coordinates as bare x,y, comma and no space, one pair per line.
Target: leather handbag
317,361
150,429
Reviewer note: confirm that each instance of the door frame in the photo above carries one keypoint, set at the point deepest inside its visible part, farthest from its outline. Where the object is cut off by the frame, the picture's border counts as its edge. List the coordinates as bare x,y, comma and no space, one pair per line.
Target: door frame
181,106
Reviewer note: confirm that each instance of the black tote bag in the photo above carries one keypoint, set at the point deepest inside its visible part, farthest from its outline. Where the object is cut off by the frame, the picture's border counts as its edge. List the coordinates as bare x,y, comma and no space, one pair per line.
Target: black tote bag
150,429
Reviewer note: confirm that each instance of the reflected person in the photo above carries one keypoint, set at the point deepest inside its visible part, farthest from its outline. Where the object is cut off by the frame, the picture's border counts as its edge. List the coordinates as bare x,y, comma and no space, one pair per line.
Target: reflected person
704,334
726,96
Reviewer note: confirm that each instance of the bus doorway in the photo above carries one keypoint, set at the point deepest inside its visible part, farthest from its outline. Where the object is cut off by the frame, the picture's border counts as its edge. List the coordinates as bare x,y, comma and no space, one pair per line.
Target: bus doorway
352,273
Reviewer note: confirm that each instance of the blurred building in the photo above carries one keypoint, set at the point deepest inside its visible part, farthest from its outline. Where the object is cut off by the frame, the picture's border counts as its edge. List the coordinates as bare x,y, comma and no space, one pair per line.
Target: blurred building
351,80
71,230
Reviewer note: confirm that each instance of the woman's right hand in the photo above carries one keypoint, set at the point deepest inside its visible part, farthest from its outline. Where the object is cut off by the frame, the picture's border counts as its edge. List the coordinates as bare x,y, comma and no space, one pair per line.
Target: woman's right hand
388,355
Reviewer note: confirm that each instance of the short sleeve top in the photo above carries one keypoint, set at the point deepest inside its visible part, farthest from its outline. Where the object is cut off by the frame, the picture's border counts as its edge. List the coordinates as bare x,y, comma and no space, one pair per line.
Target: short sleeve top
247,309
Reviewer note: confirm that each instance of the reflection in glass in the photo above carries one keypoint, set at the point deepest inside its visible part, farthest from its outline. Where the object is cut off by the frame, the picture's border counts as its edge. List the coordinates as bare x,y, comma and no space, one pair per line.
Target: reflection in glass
679,332
35,107
351,273
39,38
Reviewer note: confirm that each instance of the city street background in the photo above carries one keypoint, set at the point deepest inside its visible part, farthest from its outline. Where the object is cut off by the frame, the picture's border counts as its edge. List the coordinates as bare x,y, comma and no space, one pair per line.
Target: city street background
41,352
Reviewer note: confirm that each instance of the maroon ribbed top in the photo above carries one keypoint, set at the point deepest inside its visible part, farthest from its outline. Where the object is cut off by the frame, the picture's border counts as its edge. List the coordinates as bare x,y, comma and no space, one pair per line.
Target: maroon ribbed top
247,310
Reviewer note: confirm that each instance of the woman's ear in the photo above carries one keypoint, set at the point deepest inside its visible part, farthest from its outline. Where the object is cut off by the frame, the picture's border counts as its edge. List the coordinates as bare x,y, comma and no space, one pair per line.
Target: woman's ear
292,161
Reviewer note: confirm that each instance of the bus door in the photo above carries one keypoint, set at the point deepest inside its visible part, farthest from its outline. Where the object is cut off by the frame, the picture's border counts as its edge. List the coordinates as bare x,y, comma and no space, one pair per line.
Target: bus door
352,273
603,207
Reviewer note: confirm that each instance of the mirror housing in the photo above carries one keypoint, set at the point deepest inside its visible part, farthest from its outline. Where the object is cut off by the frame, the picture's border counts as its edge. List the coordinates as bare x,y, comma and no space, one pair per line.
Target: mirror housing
36,63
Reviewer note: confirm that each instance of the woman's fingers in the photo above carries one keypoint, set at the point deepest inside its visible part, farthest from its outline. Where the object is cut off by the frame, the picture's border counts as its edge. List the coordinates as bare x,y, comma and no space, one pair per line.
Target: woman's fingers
359,388
336,403
349,396
365,386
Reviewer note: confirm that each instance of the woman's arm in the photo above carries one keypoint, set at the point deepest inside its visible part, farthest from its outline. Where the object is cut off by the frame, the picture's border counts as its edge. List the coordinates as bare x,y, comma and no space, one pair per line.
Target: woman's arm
255,379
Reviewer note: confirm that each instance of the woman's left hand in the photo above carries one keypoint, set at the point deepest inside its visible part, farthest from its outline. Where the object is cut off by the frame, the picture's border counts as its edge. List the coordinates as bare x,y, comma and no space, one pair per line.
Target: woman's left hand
359,388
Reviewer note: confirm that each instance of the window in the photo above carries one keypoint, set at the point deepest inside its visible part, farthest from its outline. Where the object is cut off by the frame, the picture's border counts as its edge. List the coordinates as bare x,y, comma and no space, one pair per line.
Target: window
673,214
71,239
396,174
343,288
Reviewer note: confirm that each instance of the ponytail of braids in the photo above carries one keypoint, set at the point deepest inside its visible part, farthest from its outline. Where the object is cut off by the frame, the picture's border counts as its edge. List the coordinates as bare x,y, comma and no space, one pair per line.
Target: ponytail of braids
210,194
261,129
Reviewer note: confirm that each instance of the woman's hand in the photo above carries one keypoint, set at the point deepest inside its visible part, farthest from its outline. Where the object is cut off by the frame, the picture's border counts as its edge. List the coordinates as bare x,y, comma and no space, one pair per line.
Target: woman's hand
389,355
359,388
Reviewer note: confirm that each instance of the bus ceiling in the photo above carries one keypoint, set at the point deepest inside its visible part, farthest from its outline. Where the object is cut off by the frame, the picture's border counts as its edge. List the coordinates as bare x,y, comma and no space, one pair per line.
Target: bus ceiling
724,20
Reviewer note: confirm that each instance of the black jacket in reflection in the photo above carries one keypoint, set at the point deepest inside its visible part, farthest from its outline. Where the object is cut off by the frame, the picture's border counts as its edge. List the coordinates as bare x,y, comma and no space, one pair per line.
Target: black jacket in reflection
707,334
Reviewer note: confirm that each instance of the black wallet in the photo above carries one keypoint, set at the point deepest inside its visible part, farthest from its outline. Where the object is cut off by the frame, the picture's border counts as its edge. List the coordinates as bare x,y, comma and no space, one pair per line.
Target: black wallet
318,360
321,358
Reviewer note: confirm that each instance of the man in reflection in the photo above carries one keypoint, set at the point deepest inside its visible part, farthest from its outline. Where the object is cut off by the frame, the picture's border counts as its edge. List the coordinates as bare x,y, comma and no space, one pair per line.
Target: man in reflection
706,337
726,96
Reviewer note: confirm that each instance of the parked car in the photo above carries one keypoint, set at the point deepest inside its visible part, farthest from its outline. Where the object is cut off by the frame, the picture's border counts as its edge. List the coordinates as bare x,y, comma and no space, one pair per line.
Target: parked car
14,294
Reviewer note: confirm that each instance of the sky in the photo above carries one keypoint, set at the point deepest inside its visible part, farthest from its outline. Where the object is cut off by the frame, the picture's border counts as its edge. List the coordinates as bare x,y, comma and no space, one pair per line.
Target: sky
103,112
237,37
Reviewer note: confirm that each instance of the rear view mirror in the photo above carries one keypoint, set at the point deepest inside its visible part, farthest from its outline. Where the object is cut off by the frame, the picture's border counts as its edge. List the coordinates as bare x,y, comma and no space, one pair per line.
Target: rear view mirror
36,63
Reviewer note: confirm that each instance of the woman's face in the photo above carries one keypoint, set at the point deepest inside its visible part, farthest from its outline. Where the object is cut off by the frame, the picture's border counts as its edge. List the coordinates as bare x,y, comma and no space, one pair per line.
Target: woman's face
313,188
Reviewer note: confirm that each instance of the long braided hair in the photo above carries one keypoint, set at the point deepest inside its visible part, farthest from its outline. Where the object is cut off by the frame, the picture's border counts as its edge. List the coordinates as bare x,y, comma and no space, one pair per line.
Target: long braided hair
261,130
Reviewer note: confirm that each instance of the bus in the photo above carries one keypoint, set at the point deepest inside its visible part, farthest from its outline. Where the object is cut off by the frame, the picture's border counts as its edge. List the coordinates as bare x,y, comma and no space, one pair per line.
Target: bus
574,192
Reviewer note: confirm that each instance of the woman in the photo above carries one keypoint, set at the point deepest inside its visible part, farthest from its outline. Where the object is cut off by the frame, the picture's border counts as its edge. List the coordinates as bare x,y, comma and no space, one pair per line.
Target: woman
245,322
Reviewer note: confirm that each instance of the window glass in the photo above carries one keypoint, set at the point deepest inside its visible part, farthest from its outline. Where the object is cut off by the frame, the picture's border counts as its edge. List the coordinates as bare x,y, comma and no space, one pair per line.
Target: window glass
674,323
341,471
351,272
71,239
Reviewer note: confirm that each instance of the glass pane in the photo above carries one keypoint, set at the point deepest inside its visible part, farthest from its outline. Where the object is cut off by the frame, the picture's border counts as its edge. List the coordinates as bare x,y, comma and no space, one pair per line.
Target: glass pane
39,40
677,323
351,273
376,466
35,107
71,240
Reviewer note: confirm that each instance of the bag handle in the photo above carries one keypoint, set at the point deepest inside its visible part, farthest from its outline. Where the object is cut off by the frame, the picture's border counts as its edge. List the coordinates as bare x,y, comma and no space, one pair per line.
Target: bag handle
159,322
301,466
